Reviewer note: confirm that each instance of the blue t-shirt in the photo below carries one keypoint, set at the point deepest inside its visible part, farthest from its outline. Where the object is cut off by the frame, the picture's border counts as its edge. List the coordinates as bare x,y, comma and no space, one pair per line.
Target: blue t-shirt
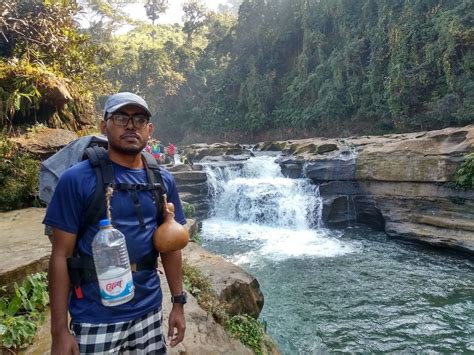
66,210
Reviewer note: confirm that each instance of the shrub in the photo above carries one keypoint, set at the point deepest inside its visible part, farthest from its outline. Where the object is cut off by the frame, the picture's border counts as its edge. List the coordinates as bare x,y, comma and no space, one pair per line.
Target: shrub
18,176
248,330
196,238
21,312
188,210
464,178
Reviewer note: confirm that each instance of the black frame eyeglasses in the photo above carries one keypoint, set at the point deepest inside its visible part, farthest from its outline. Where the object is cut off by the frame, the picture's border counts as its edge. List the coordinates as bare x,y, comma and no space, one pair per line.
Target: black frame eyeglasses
121,119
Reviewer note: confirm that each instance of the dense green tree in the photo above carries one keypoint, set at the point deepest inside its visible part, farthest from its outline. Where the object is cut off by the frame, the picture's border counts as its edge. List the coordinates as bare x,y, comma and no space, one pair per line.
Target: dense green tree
48,69
195,14
303,67
336,67
154,9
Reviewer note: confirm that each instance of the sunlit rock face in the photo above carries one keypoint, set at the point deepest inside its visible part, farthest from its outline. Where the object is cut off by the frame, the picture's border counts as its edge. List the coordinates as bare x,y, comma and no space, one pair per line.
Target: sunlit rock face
398,183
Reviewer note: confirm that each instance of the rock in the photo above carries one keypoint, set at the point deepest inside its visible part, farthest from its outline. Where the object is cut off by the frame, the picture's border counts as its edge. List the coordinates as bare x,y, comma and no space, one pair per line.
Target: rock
307,148
225,158
25,249
272,146
291,168
191,226
203,334
196,152
322,169
434,157
179,167
195,177
326,148
193,189
56,94
232,285
44,141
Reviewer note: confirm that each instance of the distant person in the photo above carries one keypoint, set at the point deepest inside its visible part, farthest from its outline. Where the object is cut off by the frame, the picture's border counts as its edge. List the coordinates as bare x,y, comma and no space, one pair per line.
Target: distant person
135,326
171,152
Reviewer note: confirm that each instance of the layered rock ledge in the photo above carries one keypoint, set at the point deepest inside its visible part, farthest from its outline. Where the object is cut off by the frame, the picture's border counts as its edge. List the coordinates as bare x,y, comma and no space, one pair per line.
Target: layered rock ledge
398,183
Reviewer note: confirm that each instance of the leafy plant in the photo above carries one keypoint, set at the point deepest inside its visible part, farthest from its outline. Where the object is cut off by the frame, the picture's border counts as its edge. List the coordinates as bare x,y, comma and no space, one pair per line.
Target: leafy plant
18,176
22,311
196,238
248,330
188,210
464,178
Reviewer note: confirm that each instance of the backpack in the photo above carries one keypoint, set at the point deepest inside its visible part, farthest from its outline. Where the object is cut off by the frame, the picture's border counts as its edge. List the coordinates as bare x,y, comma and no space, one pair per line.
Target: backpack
93,149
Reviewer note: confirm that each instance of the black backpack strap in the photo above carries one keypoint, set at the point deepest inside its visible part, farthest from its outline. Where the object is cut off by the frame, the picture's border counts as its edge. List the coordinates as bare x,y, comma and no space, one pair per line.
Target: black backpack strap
153,172
102,166
81,268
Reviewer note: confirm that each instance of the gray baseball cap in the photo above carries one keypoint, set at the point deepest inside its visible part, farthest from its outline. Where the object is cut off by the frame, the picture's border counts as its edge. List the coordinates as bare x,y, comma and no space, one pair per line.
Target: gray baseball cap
122,99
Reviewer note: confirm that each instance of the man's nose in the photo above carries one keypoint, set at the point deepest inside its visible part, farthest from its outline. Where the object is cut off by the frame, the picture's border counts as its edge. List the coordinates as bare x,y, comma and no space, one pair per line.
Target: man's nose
130,123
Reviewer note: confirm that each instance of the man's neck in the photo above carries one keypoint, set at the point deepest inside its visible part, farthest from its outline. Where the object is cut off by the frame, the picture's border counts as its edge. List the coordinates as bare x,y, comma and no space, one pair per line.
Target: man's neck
128,161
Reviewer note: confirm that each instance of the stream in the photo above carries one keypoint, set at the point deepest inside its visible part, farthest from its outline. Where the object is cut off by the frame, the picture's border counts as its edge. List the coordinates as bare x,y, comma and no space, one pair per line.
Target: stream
326,290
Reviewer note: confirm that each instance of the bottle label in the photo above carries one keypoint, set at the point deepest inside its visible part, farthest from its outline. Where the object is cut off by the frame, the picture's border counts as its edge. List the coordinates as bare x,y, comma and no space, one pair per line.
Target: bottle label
116,284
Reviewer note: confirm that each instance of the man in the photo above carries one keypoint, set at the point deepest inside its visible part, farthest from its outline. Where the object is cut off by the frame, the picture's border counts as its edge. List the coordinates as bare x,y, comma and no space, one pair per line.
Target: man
135,326
171,152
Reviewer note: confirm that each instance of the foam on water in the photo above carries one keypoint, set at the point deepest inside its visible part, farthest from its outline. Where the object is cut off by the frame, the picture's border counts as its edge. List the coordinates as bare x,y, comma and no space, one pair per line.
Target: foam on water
253,201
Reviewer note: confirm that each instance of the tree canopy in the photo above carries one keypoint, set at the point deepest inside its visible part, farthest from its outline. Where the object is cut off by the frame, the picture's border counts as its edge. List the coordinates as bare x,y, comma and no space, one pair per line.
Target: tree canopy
266,68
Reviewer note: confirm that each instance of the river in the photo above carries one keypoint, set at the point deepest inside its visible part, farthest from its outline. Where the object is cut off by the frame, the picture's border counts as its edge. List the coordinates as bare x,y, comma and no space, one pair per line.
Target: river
327,290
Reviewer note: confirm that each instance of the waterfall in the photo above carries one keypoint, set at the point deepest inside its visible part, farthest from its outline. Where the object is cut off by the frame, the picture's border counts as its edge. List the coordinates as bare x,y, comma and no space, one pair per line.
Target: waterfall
279,217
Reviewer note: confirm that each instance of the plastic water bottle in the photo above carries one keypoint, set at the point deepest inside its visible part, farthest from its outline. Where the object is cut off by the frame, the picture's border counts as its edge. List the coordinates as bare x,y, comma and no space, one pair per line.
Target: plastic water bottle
112,265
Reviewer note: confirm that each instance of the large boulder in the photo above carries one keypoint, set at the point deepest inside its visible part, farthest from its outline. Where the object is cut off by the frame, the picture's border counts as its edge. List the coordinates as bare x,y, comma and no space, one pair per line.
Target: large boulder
203,334
44,142
233,286
25,249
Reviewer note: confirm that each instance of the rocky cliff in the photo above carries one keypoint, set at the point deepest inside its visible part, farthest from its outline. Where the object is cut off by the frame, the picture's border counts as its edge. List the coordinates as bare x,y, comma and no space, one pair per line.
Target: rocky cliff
398,183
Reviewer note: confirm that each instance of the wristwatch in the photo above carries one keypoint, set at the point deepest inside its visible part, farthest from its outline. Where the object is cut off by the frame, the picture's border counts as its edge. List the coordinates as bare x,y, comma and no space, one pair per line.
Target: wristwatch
181,299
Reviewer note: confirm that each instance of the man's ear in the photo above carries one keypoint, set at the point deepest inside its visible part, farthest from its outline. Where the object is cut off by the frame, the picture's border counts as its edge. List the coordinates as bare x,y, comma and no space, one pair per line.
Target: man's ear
150,130
103,127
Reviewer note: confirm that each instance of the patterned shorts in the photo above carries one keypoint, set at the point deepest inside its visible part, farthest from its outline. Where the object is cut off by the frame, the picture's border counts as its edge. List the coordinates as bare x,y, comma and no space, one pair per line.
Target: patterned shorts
143,335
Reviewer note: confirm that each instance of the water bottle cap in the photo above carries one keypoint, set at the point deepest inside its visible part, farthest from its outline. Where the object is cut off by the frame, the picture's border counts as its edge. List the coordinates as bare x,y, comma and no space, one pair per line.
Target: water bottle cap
104,223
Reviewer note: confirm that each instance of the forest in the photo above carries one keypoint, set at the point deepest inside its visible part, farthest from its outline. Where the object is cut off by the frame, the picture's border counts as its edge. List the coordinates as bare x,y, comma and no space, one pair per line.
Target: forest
249,71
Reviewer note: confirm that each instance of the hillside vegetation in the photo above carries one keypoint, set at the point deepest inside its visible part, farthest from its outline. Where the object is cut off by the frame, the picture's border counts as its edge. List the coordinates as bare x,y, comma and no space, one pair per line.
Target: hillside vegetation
266,69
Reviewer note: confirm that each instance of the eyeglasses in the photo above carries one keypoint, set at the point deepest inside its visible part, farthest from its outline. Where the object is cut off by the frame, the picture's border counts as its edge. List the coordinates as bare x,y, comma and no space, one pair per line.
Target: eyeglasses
121,119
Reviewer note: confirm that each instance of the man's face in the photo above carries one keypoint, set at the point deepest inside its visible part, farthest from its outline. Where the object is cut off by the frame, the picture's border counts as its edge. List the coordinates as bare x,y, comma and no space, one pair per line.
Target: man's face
126,137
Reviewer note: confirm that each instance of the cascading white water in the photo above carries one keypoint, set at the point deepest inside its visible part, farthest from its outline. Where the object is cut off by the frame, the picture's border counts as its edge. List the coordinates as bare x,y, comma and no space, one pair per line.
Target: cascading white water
280,217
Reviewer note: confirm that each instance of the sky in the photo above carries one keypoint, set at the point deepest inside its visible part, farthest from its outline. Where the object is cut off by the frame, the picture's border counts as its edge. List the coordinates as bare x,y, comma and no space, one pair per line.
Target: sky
174,14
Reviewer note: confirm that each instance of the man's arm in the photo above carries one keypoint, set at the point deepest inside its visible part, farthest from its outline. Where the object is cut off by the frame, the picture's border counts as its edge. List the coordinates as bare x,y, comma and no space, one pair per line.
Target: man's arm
172,266
63,247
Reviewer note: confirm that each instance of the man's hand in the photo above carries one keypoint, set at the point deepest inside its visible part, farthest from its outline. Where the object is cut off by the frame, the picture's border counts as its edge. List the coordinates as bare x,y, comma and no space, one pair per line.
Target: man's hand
64,344
178,323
